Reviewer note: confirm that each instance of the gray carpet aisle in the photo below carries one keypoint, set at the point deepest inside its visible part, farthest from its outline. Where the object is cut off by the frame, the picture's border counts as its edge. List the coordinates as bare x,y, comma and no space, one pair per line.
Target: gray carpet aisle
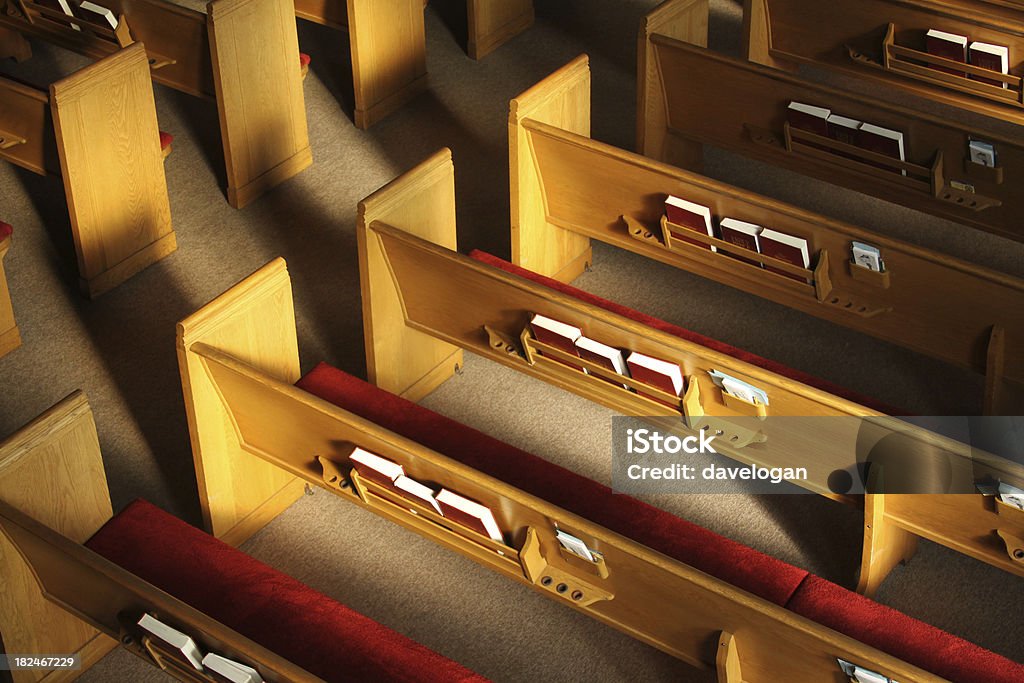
120,349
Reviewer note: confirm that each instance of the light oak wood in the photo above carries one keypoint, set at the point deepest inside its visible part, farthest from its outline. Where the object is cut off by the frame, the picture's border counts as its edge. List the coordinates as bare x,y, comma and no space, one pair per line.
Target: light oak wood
492,23
563,100
791,32
686,20
104,120
52,471
10,337
242,53
657,600
401,360
255,321
886,545
566,185
728,662
741,107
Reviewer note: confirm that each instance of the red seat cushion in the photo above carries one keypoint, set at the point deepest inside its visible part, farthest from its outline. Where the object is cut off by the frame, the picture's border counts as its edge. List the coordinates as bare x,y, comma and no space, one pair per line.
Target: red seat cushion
304,59
296,622
5,230
891,631
165,140
696,546
688,335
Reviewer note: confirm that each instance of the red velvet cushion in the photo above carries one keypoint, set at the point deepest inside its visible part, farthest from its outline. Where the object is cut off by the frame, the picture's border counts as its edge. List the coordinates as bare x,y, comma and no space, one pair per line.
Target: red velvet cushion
165,140
304,59
688,335
891,631
5,230
741,566
298,623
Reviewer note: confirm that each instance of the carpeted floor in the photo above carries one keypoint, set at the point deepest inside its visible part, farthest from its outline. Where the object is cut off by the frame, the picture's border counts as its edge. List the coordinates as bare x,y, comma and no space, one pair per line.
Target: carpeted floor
120,348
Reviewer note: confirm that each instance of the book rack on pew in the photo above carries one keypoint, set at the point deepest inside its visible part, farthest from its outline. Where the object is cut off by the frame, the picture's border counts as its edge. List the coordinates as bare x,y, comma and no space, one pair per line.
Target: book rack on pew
567,189
97,129
882,40
416,339
689,96
247,418
228,54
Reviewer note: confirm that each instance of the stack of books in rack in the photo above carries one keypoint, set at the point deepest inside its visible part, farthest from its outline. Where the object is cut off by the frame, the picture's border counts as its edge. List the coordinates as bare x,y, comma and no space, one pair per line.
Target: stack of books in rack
446,503
183,649
655,372
868,136
958,48
686,216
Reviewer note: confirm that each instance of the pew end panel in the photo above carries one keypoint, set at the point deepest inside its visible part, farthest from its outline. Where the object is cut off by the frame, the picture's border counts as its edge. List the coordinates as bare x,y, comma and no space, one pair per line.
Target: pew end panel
562,99
104,119
52,471
255,321
492,23
685,20
10,337
254,50
400,359
389,56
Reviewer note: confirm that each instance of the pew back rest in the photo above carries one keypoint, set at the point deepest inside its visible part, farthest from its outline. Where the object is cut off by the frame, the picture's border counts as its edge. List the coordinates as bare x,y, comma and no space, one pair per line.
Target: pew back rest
26,137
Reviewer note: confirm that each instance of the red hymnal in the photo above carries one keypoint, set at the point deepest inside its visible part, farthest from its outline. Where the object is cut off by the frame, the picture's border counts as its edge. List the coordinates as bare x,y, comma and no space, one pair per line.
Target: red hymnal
606,356
375,468
882,141
558,334
948,45
469,514
808,117
658,373
417,492
742,234
687,214
786,248
992,57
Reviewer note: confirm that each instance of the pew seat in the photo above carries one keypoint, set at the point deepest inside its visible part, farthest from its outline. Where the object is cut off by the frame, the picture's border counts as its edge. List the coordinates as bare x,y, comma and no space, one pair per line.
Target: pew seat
309,629
861,618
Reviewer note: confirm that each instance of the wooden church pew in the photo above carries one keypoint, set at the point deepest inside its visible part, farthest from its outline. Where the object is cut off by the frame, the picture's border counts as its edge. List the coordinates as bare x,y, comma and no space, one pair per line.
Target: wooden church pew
76,579
883,41
690,96
242,53
10,338
423,304
97,129
567,189
492,23
687,591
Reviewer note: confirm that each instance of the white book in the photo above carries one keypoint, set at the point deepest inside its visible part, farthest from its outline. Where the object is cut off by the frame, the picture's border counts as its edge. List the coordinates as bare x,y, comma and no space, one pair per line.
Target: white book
949,37
174,638
603,354
843,128
386,470
418,491
472,509
798,243
662,368
100,10
556,327
574,545
811,110
989,56
236,672
699,210
885,134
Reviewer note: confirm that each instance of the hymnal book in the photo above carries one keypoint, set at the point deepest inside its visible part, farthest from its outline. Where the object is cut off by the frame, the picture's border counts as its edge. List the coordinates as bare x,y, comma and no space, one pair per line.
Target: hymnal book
738,388
844,129
558,334
375,468
100,11
469,513
808,117
991,57
948,45
742,234
858,674
982,153
605,356
62,6
182,646
230,671
783,247
867,256
884,141
574,545
417,492
658,373
687,214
